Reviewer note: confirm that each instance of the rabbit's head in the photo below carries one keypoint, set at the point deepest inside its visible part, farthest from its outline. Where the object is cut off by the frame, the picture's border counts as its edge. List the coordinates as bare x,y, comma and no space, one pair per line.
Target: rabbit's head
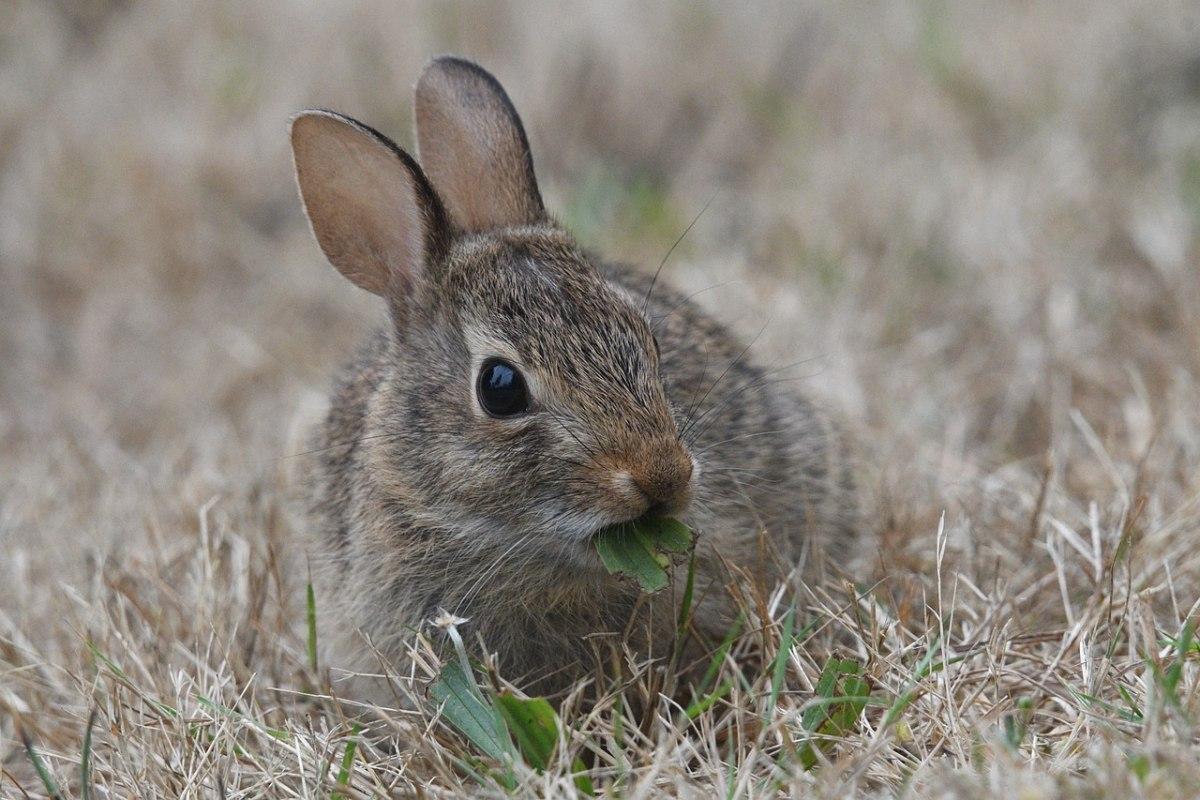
523,394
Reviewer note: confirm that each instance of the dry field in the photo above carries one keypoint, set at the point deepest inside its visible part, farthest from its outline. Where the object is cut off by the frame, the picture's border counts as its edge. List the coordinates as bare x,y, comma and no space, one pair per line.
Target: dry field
979,223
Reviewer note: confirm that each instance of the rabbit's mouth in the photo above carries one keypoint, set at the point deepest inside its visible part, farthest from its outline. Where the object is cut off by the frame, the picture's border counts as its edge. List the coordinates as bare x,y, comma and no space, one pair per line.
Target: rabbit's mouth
618,525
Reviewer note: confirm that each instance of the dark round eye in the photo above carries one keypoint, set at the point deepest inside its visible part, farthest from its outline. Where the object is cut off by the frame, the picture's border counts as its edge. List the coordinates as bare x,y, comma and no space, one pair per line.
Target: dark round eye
502,391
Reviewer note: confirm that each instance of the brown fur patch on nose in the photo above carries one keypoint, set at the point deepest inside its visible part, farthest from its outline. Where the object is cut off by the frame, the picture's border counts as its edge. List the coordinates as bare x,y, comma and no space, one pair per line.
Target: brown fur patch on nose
665,481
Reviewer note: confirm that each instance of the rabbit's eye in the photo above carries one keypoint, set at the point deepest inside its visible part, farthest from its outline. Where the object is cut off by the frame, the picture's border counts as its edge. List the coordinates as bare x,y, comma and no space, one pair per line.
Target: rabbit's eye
502,391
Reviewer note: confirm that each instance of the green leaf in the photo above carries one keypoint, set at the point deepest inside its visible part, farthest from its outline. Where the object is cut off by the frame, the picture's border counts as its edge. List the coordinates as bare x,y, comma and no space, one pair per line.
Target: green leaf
533,724
465,709
667,534
841,696
582,782
827,689
638,549
855,694
623,552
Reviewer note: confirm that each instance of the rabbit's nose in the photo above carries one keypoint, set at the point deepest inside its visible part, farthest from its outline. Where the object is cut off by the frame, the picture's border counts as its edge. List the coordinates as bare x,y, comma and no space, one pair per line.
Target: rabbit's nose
666,485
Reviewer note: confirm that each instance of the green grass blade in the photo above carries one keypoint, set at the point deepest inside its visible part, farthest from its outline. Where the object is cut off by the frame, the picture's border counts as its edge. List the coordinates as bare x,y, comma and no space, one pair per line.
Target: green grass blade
683,619
39,767
714,664
115,669
212,705
779,668
311,605
343,776
685,603
706,702
906,696
85,760
1135,711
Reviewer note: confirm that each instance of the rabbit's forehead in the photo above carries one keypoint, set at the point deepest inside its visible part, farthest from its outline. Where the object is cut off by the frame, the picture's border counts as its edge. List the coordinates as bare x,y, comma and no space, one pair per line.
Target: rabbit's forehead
559,318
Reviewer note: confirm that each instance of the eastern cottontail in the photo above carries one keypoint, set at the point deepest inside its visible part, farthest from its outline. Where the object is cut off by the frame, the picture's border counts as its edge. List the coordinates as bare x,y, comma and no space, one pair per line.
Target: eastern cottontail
523,395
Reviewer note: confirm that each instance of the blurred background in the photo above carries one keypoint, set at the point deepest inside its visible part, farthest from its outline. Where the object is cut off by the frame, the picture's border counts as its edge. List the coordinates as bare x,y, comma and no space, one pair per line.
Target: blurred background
979,221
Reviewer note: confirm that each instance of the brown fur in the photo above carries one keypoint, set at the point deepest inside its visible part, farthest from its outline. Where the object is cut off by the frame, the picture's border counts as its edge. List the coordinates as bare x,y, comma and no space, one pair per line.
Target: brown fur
423,502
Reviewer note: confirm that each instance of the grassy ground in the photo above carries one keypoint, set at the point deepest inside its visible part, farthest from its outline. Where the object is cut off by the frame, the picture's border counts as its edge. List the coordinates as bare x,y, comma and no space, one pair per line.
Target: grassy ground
981,222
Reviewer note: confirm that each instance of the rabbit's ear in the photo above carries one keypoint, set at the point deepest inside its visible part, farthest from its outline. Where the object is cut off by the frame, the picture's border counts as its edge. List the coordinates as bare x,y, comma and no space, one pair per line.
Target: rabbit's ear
470,141
371,208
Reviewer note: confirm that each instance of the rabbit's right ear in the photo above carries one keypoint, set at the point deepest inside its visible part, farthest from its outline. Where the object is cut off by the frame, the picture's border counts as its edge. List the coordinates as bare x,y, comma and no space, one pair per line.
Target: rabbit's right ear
373,212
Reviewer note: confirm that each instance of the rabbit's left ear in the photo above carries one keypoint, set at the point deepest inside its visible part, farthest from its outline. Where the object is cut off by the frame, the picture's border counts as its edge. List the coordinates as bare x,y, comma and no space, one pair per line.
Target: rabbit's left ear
472,146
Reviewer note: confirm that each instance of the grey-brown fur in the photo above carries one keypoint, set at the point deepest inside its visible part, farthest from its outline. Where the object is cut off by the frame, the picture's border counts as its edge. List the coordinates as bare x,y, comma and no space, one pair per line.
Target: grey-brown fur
421,502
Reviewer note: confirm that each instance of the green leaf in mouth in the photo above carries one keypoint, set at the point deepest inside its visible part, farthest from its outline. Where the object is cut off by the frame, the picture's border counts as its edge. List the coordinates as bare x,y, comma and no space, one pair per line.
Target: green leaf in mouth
640,549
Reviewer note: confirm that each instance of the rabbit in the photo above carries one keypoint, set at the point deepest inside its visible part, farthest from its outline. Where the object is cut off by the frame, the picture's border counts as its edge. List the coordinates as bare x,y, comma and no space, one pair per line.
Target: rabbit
522,395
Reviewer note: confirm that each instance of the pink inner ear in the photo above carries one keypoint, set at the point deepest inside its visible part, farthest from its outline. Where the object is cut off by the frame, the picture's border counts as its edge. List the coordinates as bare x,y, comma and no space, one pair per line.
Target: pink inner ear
473,148
362,201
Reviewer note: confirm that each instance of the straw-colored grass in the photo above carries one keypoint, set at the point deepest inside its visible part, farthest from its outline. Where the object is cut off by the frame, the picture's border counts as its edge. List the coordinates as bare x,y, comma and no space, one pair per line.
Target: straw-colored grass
979,222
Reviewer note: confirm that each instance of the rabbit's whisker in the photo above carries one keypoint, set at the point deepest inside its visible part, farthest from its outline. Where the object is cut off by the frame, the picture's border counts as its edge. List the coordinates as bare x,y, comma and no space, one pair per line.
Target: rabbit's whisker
721,377
658,319
760,382
695,401
590,452
739,438
489,571
756,474
663,263
344,443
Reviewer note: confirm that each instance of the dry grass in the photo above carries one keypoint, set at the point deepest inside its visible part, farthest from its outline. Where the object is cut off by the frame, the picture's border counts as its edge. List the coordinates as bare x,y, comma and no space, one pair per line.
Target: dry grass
983,225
